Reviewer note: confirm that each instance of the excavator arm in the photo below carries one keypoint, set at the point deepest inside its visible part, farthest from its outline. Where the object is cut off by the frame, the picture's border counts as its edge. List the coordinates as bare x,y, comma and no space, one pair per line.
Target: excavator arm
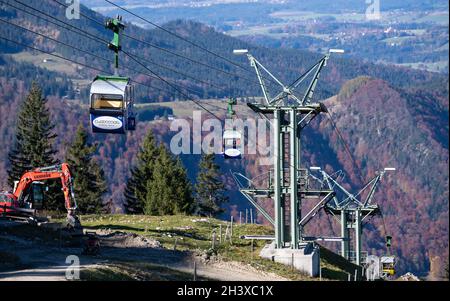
12,205
60,171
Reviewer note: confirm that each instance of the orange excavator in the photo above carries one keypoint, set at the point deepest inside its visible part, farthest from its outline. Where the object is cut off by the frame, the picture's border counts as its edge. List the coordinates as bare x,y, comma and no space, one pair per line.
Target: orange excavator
28,194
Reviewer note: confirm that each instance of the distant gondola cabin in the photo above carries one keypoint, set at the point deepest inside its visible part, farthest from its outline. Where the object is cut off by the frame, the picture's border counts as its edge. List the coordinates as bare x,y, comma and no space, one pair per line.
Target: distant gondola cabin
231,144
111,105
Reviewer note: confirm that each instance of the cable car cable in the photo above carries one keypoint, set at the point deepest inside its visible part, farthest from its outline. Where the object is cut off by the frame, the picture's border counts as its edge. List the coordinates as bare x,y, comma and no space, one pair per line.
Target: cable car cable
89,34
181,37
181,73
75,62
168,51
191,60
346,147
387,237
354,161
102,24
83,51
190,42
73,47
105,41
54,40
52,17
150,61
168,83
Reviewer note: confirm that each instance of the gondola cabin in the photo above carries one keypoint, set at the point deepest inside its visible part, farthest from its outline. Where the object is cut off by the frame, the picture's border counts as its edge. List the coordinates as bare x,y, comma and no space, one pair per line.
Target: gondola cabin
387,265
231,144
111,105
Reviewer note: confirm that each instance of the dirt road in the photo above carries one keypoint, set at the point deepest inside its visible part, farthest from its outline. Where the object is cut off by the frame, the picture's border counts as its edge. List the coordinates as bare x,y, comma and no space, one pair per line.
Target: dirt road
47,273
45,261
232,271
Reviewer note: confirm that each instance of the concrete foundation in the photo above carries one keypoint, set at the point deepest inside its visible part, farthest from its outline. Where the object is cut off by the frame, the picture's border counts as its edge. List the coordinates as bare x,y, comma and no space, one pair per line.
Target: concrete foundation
305,259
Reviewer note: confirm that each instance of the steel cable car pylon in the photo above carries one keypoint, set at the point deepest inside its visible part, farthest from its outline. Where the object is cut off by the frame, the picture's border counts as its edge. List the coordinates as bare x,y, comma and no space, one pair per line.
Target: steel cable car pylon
112,97
289,115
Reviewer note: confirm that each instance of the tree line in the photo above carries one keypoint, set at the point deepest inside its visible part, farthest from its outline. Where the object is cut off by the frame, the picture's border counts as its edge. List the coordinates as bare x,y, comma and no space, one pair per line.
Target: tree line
158,184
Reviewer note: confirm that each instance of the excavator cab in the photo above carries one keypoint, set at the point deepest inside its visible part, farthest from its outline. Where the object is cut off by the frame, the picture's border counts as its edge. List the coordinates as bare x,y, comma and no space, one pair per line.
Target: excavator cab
37,195
34,195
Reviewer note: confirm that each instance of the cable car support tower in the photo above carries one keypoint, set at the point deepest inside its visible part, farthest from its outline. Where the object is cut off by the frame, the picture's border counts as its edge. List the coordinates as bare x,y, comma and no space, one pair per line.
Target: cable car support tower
353,211
288,185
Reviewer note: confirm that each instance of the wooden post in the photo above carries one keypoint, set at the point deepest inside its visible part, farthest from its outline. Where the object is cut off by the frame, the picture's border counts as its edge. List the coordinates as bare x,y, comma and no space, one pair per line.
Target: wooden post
220,233
349,277
252,249
320,272
227,232
195,271
251,216
292,261
60,239
246,216
240,217
213,239
356,274
231,227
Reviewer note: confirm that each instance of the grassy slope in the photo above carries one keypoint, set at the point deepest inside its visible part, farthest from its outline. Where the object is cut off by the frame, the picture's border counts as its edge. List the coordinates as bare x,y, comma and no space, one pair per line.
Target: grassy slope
194,234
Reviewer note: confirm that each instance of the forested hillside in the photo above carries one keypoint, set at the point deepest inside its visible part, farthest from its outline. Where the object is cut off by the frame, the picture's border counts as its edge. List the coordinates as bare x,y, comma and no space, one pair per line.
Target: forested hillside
393,117
384,129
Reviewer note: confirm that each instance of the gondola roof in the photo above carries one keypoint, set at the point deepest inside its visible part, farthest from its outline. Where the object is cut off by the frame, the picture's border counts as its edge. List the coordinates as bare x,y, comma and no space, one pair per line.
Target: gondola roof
109,85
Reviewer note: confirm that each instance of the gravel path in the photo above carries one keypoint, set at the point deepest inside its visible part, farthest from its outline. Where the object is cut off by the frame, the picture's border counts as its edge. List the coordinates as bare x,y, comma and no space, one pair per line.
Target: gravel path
44,262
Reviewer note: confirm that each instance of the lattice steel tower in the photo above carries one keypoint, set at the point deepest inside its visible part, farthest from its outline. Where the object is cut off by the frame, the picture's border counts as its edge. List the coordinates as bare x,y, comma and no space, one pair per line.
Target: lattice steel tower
288,184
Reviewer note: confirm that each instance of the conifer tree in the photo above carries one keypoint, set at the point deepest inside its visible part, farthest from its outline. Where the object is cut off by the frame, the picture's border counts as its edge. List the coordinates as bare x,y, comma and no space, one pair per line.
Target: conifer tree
169,192
108,207
158,184
34,136
136,190
131,203
89,181
209,189
33,144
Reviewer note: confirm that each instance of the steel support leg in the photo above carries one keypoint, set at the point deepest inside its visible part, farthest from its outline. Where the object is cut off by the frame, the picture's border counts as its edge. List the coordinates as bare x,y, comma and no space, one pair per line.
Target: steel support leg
277,182
299,156
344,235
293,160
358,236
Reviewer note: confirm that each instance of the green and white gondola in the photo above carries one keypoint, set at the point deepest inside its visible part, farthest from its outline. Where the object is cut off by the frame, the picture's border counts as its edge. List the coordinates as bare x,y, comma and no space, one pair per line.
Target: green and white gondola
111,105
